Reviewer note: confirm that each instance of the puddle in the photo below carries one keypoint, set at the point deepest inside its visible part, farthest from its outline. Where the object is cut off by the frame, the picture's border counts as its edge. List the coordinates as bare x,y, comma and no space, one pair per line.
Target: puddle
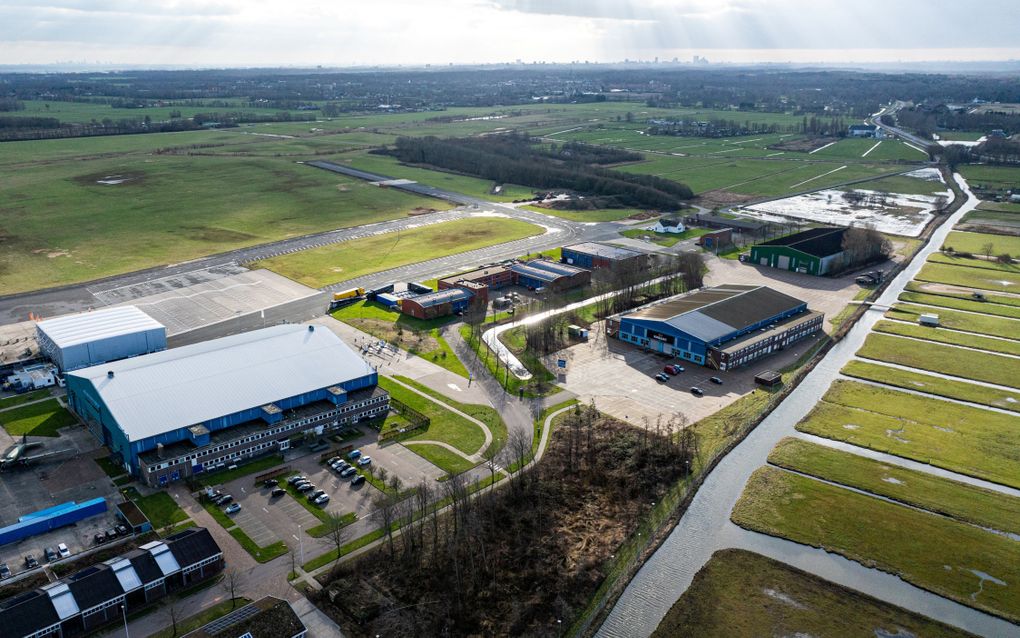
899,633
983,577
851,426
942,429
112,180
894,434
893,480
784,598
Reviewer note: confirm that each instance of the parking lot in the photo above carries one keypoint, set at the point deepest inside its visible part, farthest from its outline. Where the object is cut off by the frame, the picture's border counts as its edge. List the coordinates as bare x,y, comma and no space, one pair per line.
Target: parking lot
621,379
77,478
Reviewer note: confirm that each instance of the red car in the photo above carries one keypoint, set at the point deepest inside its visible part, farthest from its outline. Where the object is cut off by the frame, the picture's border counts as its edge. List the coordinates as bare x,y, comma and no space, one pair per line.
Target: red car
673,369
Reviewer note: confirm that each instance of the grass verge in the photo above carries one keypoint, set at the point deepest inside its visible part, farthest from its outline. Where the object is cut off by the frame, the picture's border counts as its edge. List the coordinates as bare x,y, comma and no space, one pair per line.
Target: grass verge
957,500
740,594
441,457
260,464
260,554
37,419
487,415
21,399
445,426
949,388
941,555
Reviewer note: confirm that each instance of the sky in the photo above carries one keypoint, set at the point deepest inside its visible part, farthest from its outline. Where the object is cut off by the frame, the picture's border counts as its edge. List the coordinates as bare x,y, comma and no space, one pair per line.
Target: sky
330,33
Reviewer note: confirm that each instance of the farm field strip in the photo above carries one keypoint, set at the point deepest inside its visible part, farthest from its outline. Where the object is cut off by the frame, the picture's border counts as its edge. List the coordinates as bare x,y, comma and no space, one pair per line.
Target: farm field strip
999,345
971,242
980,278
954,361
957,319
990,307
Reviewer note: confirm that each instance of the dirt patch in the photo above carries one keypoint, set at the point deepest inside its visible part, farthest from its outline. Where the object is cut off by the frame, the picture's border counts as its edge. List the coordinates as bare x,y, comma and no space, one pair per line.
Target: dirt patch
420,211
388,331
52,253
217,235
802,144
110,180
645,214
717,198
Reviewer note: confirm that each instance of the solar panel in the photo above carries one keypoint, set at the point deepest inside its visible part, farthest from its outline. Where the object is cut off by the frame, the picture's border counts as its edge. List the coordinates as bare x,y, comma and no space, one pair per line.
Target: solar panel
232,619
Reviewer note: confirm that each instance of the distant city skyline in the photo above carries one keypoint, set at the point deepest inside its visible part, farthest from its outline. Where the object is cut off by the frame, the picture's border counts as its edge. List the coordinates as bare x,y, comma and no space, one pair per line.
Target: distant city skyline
406,32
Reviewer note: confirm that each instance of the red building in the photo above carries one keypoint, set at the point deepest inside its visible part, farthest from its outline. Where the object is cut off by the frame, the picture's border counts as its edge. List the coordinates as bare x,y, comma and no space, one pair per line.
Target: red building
478,282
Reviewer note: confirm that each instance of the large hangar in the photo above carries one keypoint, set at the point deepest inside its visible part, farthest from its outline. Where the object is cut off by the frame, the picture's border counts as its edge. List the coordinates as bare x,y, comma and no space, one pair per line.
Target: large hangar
184,411
91,338
723,327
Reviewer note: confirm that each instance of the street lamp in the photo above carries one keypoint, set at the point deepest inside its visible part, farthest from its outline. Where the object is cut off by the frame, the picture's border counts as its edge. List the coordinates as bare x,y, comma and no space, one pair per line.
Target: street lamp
123,609
301,544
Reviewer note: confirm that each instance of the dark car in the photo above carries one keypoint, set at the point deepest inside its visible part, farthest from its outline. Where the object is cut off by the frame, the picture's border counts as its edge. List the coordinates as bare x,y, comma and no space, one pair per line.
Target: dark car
698,392
662,377
99,539
111,534
5,571
269,483
348,472
295,479
278,492
31,562
223,500
123,530
316,494
715,380
358,480
306,487
51,554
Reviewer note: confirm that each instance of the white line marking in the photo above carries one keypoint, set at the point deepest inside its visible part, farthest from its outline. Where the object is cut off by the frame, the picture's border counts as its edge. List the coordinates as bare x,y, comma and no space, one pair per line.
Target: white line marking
811,179
871,149
821,148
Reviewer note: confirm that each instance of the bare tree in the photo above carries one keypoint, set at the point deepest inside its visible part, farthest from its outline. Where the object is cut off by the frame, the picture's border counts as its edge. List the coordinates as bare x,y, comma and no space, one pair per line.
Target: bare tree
334,535
987,249
491,454
173,614
384,504
232,581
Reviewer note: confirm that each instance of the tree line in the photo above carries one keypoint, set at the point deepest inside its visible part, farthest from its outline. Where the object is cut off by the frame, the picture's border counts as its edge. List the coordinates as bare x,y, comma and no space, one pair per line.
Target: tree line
514,159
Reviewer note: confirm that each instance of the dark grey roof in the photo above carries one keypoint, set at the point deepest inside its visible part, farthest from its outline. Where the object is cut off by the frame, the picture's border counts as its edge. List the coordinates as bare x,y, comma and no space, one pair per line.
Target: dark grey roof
94,586
863,127
27,613
192,546
823,241
440,297
535,273
603,250
145,565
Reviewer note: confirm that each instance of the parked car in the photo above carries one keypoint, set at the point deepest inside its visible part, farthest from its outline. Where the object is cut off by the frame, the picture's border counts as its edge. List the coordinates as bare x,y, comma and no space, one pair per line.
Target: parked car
214,495
99,539
316,494
294,479
677,369
698,392
111,534
662,377
5,571
340,466
31,562
348,472
358,480
123,530
233,508
321,499
306,487
278,492
332,460
365,460
269,483
62,550
223,500
715,380
354,454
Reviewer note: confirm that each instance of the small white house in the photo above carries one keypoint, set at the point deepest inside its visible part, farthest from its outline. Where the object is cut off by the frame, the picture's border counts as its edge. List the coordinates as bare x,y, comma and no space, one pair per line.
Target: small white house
668,225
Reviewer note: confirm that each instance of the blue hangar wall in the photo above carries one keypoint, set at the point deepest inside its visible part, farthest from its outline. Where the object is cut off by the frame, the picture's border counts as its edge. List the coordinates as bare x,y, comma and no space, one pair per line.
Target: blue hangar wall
660,336
88,404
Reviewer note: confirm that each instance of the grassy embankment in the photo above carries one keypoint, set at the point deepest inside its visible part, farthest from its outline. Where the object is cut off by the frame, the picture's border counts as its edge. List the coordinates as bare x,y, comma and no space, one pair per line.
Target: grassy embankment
36,419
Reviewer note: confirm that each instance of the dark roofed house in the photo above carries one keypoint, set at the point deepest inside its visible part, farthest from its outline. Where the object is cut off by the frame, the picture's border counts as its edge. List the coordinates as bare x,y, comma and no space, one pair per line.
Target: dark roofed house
27,614
269,617
816,251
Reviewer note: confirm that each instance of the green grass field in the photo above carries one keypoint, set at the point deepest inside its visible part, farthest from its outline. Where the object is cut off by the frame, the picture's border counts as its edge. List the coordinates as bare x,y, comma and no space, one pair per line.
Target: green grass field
999,177
975,243
958,362
60,226
36,419
740,594
968,322
326,265
905,185
974,262
487,415
964,439
1003,300
423,337
870,149
445,426
990,306
941,335
245,469
929,384
980,278
21,399
161,510
441,457
665,239
957,500
947,557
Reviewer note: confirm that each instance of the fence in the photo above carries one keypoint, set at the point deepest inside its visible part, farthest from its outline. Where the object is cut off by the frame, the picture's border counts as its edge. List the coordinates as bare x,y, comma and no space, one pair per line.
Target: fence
278,472
417,420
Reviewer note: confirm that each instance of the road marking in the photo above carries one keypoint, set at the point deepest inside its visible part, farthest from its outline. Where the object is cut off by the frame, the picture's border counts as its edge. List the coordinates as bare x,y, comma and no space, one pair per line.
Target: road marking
871,149
265,510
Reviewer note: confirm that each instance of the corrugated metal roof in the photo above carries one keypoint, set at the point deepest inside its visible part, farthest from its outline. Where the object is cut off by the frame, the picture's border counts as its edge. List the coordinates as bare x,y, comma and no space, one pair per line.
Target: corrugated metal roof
603,250
440,297
62,599
698,324
535,273
565,270
98,324
181,387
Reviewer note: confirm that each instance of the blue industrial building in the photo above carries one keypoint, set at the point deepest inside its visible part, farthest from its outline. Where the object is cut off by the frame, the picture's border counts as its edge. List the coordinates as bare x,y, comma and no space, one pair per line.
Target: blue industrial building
705,326
183,411
594,255
543,273
91,338
51,518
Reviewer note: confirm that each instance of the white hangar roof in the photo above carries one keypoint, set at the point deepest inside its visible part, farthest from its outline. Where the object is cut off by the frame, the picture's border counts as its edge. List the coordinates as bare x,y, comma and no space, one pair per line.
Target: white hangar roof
98,324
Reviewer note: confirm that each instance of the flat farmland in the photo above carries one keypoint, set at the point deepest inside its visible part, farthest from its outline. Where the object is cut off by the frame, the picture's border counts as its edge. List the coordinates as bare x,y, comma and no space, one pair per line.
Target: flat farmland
952,337
464,184
326,265
987,307
970,565
996,177
946,359
905,184
980,278
964,439
61,224
976,243
870,149
966,321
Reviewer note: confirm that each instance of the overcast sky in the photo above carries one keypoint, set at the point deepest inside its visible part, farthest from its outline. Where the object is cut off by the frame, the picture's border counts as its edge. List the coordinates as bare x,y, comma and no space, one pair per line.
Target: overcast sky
358,32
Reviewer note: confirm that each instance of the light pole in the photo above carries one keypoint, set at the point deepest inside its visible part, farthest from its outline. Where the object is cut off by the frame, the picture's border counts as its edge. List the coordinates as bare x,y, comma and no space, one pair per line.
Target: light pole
123,609
301,544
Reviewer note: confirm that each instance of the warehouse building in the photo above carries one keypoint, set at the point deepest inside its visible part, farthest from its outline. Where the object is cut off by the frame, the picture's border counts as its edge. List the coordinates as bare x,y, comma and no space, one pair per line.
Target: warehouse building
170,415
436,304
108,592
479,282
723,327
91,338
816,251
543,273
593,256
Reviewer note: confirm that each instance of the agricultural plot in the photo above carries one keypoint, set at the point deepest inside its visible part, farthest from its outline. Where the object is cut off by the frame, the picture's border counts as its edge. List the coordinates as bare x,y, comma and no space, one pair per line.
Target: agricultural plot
980,278
326,265
966,321
992,177
998,218
964,439
951,337
988,263
957,560
741,594
920,382
965,294
934,357
968,304
871,149
979,243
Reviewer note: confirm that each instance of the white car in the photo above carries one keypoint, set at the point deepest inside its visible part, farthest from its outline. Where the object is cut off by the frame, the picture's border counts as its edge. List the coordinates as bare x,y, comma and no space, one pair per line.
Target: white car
322,499
232,509
365,460
62,550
